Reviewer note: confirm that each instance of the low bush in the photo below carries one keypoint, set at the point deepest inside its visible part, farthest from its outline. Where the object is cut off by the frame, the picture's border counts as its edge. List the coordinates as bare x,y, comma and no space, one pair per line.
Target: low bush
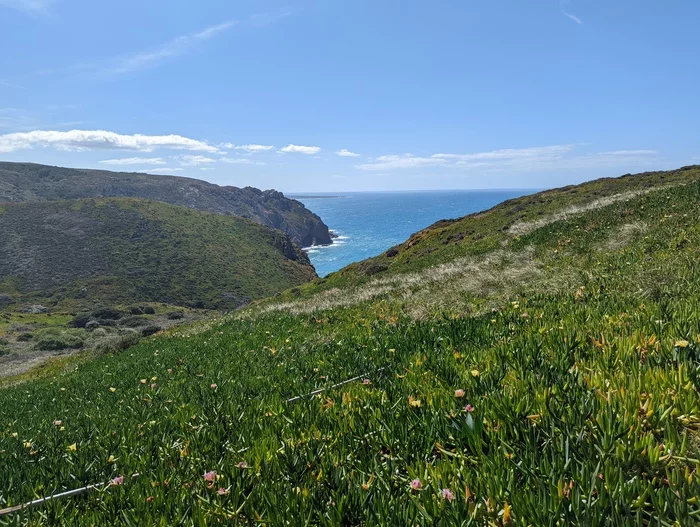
54,339
117,343
133,321
150,330
107,313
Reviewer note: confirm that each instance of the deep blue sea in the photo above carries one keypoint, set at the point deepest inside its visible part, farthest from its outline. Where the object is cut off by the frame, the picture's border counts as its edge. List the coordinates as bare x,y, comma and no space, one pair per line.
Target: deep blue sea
368,223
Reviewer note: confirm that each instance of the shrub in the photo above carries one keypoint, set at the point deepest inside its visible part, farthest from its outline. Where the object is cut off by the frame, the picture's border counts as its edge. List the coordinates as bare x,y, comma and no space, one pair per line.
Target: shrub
117,343
25,337
53,339
107,313
176,315
150,330
133,321
148,310
80,321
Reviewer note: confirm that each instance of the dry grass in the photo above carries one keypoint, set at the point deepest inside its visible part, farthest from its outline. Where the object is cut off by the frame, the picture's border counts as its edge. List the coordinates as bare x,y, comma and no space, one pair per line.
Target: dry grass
525,227
445,287
623,236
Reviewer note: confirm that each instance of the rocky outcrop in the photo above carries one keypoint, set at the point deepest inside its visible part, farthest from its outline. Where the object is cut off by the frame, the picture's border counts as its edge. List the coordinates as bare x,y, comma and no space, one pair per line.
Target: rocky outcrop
31,182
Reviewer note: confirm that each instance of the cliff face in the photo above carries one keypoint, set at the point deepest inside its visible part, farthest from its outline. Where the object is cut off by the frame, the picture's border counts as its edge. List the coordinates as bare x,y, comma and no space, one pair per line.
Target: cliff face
20,182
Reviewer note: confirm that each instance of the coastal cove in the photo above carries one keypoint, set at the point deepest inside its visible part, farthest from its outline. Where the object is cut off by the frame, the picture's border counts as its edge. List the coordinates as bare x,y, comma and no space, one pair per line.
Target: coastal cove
369,223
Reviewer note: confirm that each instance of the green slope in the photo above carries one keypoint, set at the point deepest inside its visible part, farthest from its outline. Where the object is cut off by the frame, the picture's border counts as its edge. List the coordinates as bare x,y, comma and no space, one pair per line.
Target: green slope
486,231
573,337
119,251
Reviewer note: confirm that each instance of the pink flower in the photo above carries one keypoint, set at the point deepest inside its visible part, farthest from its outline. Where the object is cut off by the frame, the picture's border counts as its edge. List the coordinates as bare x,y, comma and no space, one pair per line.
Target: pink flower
119,480
447,494
222,492
416,484
459,393
210,477
170,370
58,422
153,386
469,408
242,465
213,386
366,382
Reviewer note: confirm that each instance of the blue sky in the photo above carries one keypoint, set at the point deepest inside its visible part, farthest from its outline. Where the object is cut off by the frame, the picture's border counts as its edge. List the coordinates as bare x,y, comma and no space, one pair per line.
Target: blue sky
353,95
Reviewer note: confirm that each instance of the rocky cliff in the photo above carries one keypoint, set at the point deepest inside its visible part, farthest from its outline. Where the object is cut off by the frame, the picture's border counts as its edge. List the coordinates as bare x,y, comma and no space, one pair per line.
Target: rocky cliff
28,182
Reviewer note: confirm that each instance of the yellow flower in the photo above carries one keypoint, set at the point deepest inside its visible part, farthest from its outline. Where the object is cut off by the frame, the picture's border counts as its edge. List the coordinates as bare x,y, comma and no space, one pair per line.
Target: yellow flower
682,343
15,434
413,402
73,447
112,390
507,516
111,459
144,381
475,373
27,444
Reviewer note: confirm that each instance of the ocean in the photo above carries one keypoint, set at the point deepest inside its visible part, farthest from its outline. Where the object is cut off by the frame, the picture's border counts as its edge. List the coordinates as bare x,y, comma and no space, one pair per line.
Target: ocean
368,223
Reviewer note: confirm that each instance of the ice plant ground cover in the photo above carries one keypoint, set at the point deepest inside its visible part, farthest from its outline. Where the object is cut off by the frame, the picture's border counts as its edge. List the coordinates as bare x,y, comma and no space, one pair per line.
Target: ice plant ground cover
569,397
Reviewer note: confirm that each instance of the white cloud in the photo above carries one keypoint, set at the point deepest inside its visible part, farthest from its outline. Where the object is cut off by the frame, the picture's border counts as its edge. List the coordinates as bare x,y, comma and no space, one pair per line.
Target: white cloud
308,150
240,161
346,153
163,170
401,161
192,161
251,148
135,161
573,17
99,140
174,48
505,155
204,169
522,159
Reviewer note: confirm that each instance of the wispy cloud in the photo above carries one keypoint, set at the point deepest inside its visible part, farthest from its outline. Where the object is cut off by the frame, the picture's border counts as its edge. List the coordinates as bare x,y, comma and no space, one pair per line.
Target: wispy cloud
573,17
251,149
134,161
346,153
308,150
163,170
522,159
36,6
240,161
189,160
174,48
99,140
390,162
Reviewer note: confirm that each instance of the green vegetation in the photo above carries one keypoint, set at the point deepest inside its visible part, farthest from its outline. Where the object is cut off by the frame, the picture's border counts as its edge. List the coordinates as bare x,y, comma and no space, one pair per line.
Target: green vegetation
120,251
29,182
545,374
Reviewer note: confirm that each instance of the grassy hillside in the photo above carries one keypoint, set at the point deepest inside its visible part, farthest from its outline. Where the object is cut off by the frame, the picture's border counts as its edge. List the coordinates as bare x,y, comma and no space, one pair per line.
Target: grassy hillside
487,231
119,251
22,182
549,376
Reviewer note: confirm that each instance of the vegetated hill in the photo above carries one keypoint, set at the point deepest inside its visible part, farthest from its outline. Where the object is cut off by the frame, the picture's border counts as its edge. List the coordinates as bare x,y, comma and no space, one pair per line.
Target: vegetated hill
483,232
21,182
549,376
121,250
